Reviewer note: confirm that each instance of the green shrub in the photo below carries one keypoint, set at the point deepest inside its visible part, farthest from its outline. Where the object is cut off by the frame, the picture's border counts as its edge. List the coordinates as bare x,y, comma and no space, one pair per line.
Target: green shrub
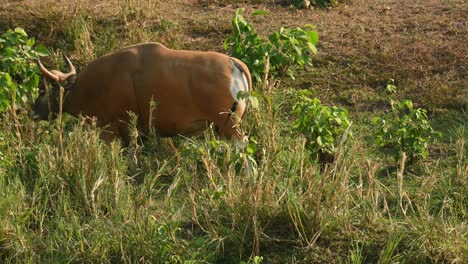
324,127
285,48
405,129
18,75
18,72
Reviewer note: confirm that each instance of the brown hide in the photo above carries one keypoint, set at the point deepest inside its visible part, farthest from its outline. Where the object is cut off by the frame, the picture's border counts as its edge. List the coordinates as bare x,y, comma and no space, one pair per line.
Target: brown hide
190,89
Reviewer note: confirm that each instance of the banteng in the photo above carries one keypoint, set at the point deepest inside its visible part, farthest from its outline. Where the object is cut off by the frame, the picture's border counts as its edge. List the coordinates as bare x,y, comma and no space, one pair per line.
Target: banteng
191,89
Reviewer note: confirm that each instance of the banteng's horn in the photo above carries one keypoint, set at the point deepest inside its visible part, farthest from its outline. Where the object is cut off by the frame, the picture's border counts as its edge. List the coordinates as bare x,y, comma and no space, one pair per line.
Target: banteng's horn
70,65
46,72
56,75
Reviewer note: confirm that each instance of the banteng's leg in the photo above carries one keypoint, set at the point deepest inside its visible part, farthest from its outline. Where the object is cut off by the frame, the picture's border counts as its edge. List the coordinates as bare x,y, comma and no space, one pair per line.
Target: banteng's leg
110,133
118,130
124,132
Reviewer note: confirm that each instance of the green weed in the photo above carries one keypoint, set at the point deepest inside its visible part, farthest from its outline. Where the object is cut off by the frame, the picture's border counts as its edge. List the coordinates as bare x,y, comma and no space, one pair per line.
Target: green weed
286,48
18,72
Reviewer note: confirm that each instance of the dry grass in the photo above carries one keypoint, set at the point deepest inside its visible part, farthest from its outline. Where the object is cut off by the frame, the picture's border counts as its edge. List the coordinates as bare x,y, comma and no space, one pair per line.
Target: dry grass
138,202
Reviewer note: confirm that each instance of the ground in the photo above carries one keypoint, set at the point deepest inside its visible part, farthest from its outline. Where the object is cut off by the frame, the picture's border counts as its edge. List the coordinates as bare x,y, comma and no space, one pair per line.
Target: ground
420,46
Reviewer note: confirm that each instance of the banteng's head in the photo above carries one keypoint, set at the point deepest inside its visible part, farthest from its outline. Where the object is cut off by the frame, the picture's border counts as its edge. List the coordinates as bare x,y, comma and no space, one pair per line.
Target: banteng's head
47,103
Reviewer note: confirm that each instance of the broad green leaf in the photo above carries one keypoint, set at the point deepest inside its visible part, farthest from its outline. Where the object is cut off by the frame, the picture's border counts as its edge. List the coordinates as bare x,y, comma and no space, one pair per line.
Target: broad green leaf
313,37
253,102
5,80
30,42
41,50
260,12
319,141
251,148
21,31
312,48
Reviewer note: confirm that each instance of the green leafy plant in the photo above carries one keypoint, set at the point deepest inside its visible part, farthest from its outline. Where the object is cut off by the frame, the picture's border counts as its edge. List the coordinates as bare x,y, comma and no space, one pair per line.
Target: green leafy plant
405,129
18,72
291,47
323,126
218,152
390,86
283,49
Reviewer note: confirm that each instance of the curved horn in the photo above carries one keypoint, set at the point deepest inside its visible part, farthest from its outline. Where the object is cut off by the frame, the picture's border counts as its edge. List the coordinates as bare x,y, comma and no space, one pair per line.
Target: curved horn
46,72
70,65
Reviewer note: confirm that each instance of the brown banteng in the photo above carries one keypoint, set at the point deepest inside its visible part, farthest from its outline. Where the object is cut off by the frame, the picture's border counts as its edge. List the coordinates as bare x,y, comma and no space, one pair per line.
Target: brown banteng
191,89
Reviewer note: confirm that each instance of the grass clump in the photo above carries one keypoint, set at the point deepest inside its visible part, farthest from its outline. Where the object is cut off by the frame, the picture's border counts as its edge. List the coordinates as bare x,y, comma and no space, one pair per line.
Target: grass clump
67,196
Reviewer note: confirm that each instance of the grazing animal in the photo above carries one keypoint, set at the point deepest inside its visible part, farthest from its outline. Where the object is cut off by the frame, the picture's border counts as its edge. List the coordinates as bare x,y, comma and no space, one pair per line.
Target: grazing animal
191,89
